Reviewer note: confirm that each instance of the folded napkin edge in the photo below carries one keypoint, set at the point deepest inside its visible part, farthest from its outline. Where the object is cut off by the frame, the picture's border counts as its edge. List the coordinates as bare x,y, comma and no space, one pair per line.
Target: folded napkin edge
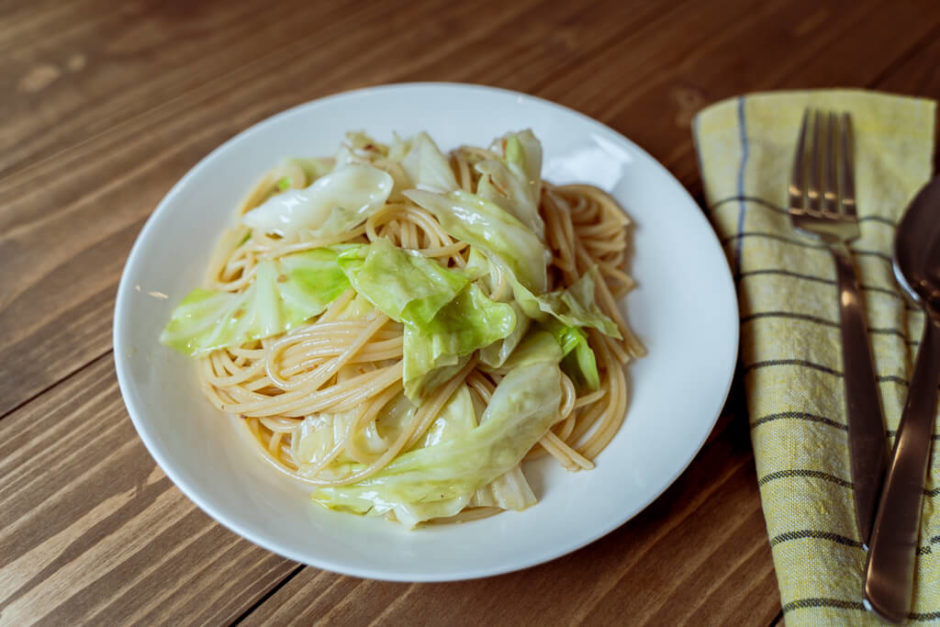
847,91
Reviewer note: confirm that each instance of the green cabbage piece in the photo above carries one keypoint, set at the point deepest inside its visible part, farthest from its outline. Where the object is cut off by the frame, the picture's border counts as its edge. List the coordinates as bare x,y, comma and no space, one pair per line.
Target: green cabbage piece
427,167
538,346
458,417
512,250
514,182
308,281
332,204
284,294
576,306
446,317
578,360
402,284
523,156
496,354
470,321
360,147
506,241
316,436
523,408
510,490
554,342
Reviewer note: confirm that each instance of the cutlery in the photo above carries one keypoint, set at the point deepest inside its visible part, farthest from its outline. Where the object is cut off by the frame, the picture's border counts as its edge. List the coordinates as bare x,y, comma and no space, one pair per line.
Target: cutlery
890,571
822,202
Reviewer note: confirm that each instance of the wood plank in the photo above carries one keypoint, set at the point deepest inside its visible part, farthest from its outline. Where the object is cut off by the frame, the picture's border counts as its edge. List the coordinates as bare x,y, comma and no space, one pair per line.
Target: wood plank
25,24
918,73
646,572
92,531
176,47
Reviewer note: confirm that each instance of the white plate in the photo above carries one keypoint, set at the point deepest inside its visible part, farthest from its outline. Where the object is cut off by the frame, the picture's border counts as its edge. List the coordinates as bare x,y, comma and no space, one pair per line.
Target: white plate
684,310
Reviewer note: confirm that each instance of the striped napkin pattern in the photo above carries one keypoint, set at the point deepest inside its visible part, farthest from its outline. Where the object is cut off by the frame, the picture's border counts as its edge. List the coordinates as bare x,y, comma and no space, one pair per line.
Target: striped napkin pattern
791,361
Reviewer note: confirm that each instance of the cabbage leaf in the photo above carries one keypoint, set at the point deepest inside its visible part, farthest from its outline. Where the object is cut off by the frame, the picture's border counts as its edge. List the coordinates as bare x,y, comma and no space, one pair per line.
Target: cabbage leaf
469,322
538,346
332,204
514,182
402,284
576,306
284,294
427,167
578,360
485,225
523,408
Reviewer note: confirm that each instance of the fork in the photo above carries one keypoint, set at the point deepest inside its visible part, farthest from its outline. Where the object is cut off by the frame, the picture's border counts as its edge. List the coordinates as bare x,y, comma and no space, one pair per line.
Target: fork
822,203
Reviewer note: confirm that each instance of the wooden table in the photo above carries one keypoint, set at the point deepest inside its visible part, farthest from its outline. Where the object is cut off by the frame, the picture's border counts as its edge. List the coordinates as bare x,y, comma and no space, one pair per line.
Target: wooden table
105,105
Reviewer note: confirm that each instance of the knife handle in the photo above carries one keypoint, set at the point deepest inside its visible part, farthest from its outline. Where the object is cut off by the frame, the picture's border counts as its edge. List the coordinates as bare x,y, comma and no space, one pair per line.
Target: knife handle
867,448
890,572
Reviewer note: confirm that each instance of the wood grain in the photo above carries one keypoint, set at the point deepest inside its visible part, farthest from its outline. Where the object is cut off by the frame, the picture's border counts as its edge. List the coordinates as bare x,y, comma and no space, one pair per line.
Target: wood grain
918,73
92,531
795,44
107,105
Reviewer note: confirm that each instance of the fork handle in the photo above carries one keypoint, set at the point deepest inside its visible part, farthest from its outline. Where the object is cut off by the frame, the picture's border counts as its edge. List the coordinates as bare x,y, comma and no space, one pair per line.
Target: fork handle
863,404
890,572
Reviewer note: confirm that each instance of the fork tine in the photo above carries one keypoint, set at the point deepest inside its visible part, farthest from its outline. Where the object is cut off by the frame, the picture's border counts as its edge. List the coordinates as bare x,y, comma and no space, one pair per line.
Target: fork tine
847,180
797,187
814,164
830,181
822,185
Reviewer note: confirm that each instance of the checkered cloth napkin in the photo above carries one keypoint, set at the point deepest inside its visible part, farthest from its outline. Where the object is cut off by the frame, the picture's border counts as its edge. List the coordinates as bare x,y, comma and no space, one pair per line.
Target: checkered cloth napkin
791,361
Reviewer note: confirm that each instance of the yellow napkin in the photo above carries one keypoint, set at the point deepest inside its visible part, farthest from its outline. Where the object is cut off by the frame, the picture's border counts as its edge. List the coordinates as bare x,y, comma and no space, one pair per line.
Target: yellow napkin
791,360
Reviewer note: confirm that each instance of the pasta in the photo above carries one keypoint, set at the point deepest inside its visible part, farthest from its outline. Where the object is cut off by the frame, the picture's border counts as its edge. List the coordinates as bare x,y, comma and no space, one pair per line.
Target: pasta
333,400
